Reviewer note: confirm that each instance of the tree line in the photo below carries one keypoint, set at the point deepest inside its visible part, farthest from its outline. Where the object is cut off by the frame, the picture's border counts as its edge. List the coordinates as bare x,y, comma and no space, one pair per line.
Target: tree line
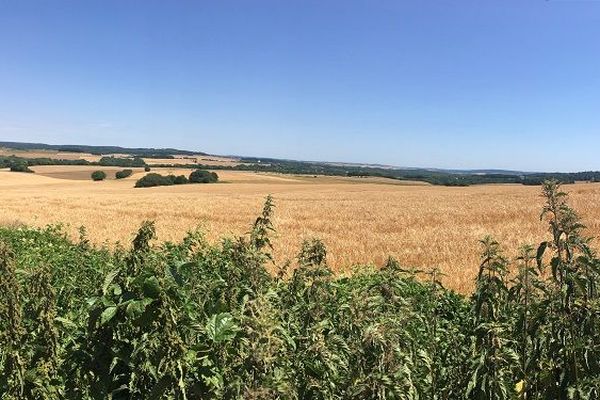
434,177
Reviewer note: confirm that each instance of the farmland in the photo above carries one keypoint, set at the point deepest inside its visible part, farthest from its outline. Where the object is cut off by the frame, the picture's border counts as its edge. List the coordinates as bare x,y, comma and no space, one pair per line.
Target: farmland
360,220
195,320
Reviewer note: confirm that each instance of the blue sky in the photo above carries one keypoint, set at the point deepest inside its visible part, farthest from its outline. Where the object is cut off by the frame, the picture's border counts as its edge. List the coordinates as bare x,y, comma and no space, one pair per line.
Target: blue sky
454,84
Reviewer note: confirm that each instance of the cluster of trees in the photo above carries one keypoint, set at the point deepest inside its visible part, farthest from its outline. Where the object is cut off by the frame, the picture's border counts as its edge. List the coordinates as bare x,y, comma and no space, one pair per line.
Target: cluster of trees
20,167
197,176
6,162
194,320
435,177
122,162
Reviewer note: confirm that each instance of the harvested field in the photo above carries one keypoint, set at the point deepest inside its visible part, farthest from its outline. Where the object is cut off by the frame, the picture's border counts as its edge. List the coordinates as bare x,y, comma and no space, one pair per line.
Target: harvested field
80,173
360,219
59,155
186,160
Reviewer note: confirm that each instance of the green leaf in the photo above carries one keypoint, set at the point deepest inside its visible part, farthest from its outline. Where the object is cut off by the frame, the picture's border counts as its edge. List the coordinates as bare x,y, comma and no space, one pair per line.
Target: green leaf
107,315
137,307
221,327
108,280
66,322
151,287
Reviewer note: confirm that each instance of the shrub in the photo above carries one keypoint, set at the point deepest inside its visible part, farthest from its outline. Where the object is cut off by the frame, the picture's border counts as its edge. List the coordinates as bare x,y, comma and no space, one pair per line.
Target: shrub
202,176
123,174
199,320
20,167
154,179
147,168
181,180
98,175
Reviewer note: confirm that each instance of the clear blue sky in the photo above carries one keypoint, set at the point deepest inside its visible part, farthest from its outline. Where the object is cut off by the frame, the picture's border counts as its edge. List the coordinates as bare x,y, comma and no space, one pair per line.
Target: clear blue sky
458,84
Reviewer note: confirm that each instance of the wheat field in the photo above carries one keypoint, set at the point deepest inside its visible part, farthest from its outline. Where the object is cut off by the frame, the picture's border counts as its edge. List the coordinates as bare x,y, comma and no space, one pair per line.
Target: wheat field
361,220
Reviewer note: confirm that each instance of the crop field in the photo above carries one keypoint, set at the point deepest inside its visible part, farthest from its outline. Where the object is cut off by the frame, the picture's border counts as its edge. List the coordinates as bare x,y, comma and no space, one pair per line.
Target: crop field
204,160
64,155
360,220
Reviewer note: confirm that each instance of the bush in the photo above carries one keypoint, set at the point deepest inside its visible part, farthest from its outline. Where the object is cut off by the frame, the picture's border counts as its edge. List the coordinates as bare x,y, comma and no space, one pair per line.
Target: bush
209,321
202,176
147,168
123,174
98,175
181,180
20,167
154,179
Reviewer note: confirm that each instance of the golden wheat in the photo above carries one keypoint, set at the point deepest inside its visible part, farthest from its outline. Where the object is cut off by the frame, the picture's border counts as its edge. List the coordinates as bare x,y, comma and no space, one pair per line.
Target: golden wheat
360,220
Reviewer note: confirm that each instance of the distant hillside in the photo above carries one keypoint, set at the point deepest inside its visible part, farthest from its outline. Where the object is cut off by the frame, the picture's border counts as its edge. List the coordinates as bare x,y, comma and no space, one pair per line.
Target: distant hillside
483,171
76,148
434,176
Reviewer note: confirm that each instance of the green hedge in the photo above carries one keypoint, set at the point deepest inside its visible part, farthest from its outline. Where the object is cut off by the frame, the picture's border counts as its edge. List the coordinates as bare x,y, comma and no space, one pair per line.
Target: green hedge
154,179
98,175
123,174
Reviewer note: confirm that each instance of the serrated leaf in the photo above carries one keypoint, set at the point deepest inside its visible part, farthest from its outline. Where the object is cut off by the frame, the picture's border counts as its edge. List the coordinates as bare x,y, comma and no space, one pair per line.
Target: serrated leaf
108,280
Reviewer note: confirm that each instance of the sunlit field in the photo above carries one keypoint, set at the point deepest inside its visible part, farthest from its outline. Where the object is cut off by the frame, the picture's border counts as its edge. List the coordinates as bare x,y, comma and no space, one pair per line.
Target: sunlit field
361,220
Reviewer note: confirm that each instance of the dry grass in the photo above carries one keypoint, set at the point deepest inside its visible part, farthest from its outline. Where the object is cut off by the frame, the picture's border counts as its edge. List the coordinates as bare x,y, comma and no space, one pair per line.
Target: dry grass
204,160
80,172
360,220
62,155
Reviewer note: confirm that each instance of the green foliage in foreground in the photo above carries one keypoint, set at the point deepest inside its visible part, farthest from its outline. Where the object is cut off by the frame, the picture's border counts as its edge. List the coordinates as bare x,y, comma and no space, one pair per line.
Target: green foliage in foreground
192,320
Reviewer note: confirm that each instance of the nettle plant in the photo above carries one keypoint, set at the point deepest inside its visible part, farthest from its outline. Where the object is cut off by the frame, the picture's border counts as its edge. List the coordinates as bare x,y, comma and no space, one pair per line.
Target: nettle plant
193,320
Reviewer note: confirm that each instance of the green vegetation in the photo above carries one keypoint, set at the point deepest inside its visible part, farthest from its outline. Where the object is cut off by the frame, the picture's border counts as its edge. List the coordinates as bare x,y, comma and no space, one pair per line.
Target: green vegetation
20,167
98,175
122,162
153,179
6,162
435,177
181,180
202,176
123,174
99,150
192,320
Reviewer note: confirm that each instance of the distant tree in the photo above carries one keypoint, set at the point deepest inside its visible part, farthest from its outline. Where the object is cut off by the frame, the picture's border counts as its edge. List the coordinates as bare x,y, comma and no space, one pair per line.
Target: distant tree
20,167
122,162
154,179
98,175
202,176
181,180
123,174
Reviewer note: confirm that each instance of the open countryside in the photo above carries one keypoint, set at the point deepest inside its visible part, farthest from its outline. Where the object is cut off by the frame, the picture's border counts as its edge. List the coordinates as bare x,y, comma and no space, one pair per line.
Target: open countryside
299,200
360,220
